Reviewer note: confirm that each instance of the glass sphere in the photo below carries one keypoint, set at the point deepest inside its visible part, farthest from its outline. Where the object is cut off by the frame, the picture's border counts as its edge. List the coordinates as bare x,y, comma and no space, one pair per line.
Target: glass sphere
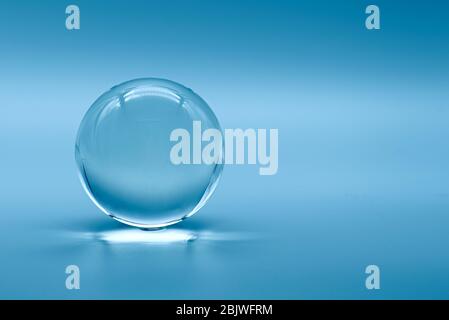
123,152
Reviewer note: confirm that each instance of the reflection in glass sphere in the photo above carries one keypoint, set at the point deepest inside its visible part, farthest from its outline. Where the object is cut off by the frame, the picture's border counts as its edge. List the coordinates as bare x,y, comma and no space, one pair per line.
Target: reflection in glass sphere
123,153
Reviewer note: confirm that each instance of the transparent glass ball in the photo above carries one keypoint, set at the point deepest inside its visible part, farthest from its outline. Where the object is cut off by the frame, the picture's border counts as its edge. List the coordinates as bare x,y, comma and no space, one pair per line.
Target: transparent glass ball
123,150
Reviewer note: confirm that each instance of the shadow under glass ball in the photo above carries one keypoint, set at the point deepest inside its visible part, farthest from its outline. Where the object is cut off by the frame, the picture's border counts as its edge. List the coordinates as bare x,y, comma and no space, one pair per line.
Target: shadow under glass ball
123,153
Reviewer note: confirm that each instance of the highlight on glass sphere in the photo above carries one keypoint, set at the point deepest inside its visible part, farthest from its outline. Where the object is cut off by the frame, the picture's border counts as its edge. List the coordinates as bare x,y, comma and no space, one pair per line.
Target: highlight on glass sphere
123,153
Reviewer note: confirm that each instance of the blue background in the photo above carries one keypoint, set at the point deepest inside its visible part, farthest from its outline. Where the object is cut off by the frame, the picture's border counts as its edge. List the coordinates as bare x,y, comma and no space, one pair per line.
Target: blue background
363,152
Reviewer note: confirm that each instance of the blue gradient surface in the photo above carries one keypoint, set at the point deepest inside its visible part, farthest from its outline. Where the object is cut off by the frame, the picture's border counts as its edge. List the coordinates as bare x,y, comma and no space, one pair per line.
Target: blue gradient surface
363,148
